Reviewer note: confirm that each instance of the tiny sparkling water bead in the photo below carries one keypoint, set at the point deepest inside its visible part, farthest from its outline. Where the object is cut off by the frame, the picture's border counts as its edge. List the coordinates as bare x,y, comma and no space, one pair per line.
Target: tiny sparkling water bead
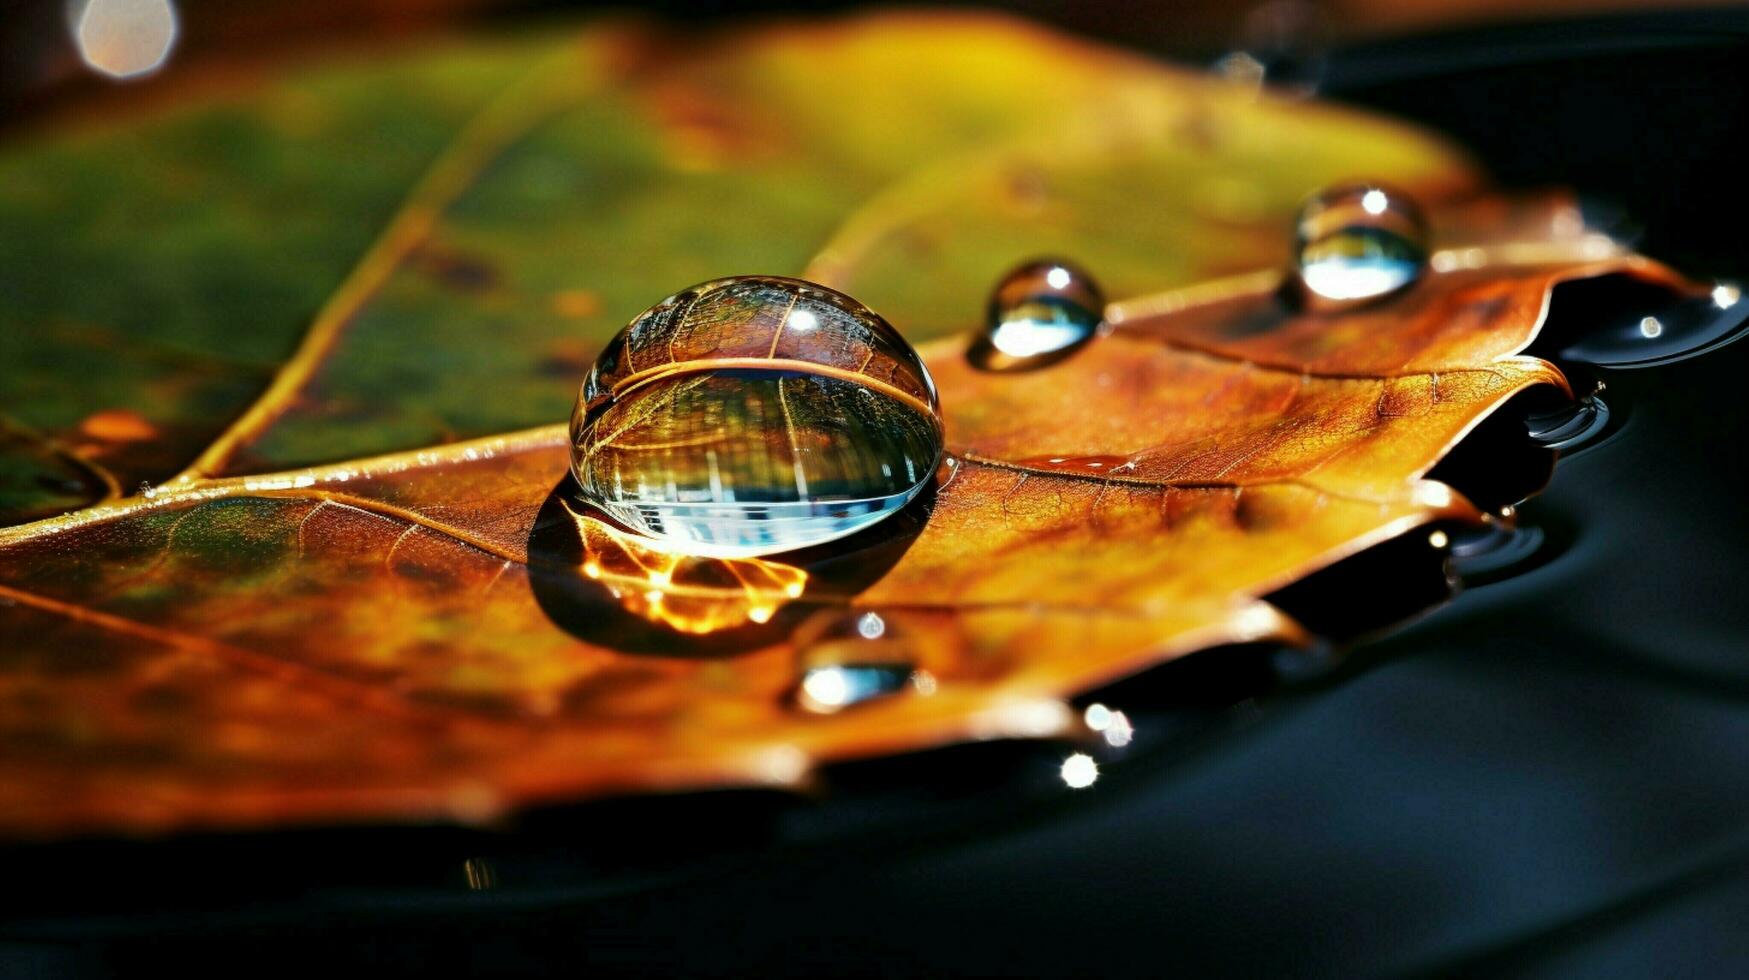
1356,243
852,658
1040,313
755,415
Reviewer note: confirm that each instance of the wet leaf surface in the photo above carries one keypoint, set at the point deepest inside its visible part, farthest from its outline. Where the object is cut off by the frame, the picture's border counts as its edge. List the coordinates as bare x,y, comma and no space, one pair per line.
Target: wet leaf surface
397,632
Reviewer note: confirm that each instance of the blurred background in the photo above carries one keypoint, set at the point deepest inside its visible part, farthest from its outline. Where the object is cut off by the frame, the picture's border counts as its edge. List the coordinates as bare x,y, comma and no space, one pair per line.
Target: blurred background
41,61
1399,56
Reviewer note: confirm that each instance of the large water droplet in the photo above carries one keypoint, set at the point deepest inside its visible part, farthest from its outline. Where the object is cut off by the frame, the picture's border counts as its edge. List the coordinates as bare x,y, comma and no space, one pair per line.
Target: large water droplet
1356,243
755,415
1040,313
849,659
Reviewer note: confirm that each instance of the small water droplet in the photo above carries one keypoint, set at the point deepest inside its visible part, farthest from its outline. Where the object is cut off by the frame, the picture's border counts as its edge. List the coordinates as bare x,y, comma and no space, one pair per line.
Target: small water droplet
1356,243
852,658
1666,329
1100,465
1040,313
755,415
870,626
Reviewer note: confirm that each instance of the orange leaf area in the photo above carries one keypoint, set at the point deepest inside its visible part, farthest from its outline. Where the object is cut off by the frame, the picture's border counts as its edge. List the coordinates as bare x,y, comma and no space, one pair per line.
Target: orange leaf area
436,634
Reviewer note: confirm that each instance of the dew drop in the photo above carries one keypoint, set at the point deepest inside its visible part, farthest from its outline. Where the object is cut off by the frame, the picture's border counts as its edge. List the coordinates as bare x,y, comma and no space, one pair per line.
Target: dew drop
1356,243
755,415
1040,313
852,658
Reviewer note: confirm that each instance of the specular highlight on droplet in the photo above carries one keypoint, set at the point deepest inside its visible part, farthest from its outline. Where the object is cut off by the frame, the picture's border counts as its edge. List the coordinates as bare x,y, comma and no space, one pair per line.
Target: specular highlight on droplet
1356,243
1039,313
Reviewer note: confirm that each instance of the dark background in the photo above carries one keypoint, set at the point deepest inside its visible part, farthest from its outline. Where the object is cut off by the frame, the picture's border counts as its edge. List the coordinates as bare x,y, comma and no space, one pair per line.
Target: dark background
1544,778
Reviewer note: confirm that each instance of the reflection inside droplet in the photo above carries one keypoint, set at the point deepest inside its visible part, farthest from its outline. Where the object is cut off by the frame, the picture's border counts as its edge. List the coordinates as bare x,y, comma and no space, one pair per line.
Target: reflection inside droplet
1356,243
686,593
1039,312
755,415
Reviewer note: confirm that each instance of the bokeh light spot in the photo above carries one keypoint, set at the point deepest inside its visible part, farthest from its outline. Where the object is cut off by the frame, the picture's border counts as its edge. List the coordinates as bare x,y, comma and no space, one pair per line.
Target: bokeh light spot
126,38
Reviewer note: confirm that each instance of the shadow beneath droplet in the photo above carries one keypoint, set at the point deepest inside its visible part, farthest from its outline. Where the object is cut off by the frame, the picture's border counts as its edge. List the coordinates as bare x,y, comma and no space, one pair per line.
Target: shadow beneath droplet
1254,316
587,610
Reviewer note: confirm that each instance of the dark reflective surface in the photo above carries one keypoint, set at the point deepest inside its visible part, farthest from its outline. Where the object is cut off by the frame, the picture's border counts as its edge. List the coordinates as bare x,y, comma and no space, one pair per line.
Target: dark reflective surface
1615,323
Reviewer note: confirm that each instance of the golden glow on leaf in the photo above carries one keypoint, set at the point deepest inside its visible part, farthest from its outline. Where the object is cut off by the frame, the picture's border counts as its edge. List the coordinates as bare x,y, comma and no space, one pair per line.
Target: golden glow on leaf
683,592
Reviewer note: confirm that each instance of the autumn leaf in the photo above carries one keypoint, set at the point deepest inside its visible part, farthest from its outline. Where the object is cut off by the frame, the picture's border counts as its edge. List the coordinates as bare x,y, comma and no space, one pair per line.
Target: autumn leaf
440,241
347,598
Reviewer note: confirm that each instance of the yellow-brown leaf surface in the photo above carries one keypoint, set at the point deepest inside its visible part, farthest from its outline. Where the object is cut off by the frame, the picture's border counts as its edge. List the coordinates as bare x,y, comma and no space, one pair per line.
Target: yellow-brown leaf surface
438,633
